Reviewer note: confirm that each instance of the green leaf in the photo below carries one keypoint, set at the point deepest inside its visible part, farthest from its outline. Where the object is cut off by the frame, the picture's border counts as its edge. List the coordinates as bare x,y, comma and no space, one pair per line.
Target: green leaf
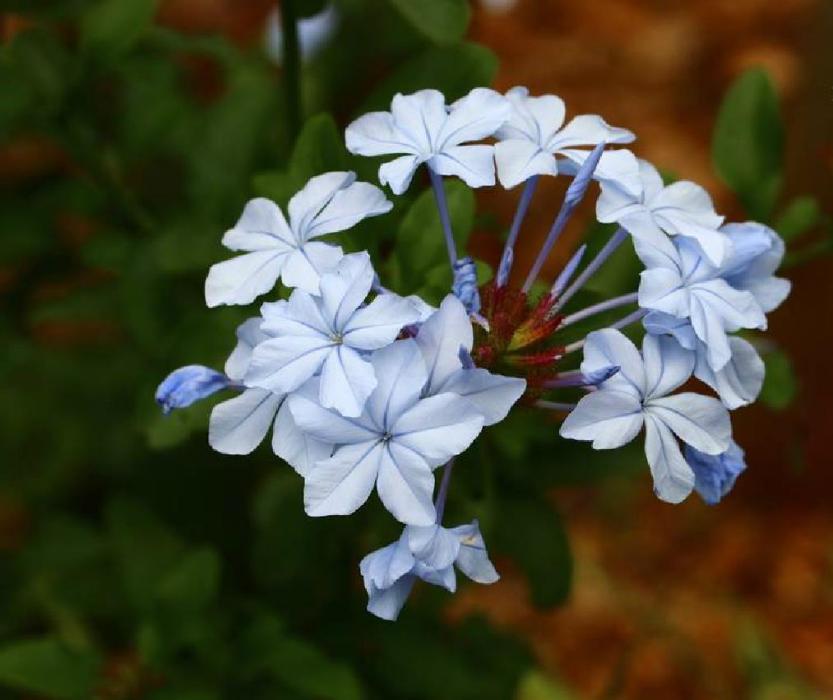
112,27
194,581
442,21
801,215
748,142
531,533
46,667
420,241
536,686
780,383
453,70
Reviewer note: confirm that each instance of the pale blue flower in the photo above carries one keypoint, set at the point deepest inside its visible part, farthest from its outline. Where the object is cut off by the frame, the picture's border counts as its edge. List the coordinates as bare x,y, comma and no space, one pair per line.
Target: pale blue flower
330,334
638,395
679,281
681,209
187,385
394,444
444,340
420,128
429,553
535,134
715,475
275,249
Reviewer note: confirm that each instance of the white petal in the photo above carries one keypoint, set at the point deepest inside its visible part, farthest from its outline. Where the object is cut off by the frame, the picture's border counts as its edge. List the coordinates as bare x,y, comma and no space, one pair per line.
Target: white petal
667,365
420,116
341,484
345,288
609,418
239,425
306,204
673,478
346,382
663,290
615,203
715,245
492,394
325,425
297,448
377,324
439,427
473,559
589,130
610,348
249,334
400,373
519,159
473,117
262,226
440,339
243,278
740,381
701,421
474,165
305,265
535,119
283,364
619,168
299,316
692,200
406,485
347,207
375,134
398,173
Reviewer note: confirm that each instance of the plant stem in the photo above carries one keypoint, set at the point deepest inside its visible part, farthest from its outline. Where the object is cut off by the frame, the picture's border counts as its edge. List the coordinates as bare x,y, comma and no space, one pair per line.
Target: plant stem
442,494
291,66
445,219
599,308
509,249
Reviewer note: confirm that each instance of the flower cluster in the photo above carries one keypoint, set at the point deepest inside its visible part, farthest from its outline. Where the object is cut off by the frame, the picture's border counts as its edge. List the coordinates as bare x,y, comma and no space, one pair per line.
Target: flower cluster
365,388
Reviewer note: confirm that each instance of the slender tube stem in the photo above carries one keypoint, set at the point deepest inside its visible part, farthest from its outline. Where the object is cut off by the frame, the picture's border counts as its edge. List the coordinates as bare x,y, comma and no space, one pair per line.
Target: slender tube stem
601,307
629,319
442,494
601,257
555,406
520,214
291,66
445,219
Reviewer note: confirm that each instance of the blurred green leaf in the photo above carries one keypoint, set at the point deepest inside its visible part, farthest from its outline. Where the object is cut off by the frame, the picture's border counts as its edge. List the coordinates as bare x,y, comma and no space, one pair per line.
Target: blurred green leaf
748,142
442,21
453,70
801,215
47,667
112,27
780,384
536,686
193,583
531,533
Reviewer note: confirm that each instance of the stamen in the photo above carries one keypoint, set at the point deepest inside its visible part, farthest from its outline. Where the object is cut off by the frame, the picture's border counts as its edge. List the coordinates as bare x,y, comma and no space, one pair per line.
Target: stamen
575,193
508,256
445,219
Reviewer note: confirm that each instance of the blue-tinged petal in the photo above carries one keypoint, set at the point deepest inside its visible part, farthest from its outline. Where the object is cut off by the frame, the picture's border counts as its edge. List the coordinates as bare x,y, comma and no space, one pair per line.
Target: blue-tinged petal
615,203
384,567
658,323
347,380
347,207
752,266
376,134
187,385
341,484
400,373
345,288
398,173
438,428
667,365
445,578
519,159
769,292
740,380
690,199
405,484
433,545
379,323
700,421
387,603
715,245
619,168
750,241
242,279
610,347
609,418
715,475
474,165
283,364
326,425
299,316
296,447
473,559
262,226
473,117
492,394
673,478
238,426
304,266
249,334
661,289
306,204
440,339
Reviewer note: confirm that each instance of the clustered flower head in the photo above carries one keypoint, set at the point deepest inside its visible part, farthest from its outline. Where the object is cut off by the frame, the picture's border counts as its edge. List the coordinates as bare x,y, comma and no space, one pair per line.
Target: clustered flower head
367,390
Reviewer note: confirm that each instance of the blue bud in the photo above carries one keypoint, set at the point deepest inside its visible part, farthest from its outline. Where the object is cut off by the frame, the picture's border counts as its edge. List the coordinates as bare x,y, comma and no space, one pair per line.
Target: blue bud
189,384
715,475
465,284
601,375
